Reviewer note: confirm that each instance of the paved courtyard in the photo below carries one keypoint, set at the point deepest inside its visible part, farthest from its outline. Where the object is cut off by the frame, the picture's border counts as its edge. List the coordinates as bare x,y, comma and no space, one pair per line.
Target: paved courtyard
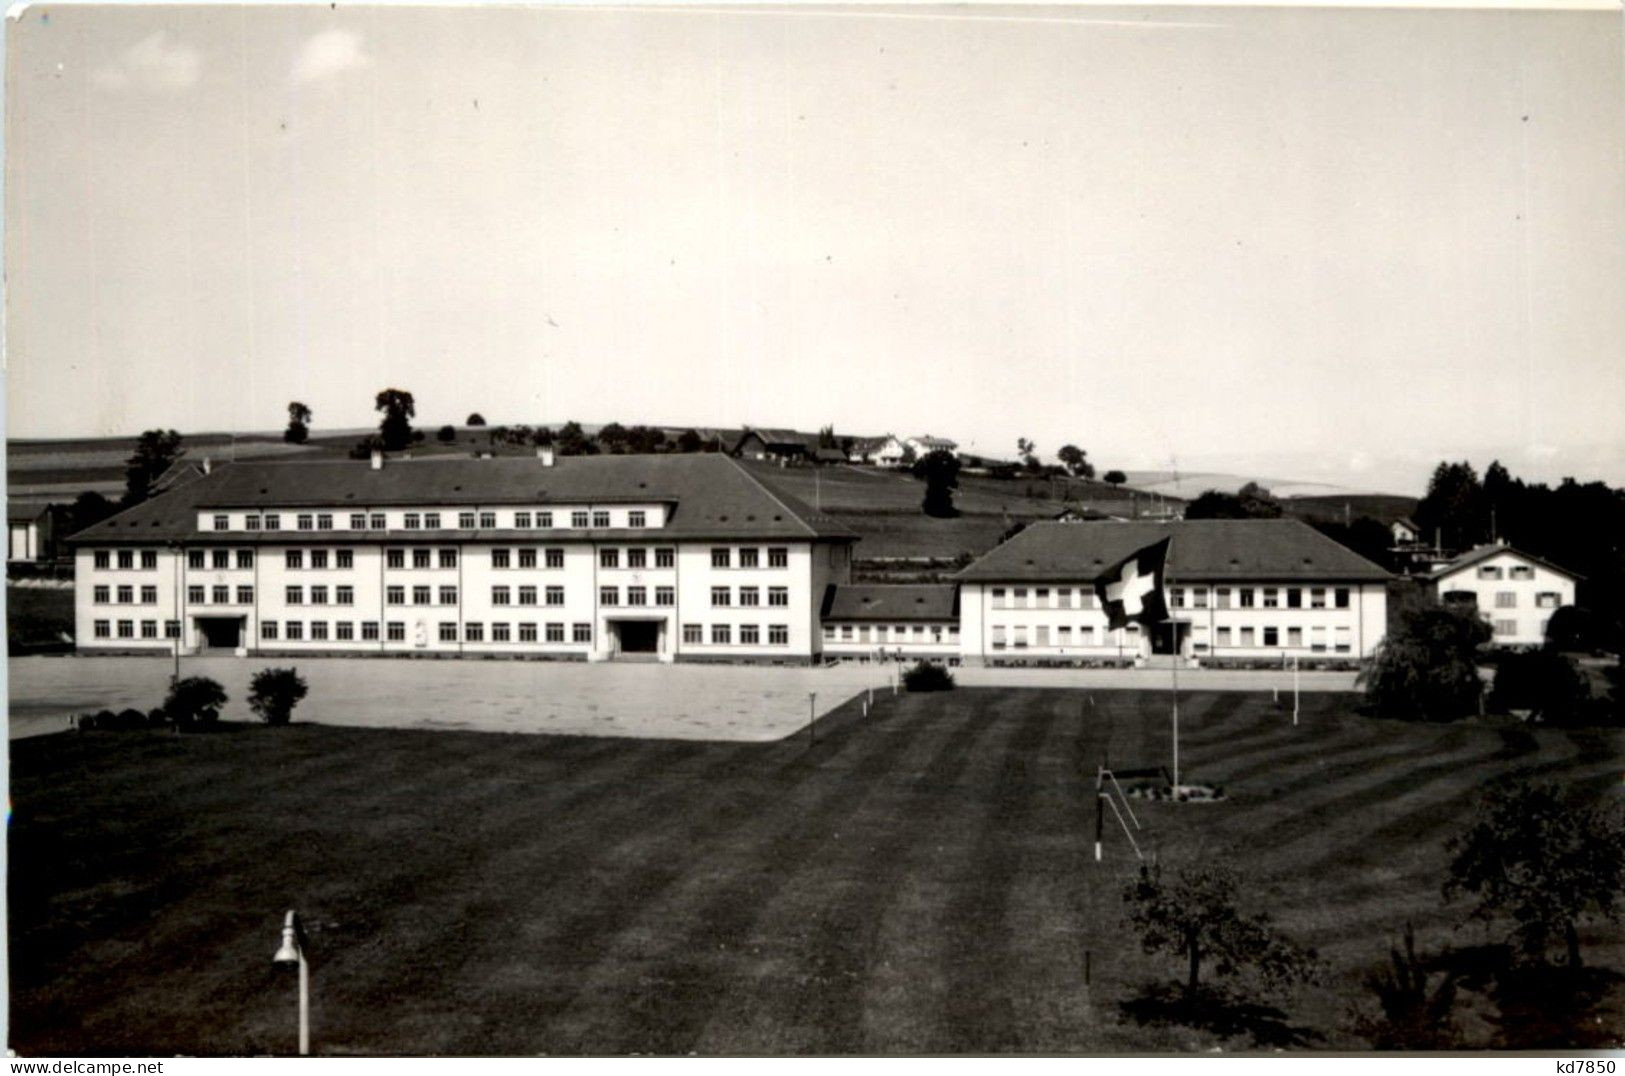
684,702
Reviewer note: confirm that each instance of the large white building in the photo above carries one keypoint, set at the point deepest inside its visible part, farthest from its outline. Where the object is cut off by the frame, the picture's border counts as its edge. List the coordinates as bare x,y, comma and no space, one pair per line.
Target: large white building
1236,589
660,557
1515,592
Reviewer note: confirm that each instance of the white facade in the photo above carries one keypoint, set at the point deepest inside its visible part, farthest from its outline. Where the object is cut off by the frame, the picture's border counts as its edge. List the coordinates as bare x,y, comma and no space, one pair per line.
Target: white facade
1217,621
889,453
22,540
1514,593
440,594
890,641
927,444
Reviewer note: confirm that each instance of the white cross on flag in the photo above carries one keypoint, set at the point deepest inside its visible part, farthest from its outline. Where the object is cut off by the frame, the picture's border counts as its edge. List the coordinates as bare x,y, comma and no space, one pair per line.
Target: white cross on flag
1131,589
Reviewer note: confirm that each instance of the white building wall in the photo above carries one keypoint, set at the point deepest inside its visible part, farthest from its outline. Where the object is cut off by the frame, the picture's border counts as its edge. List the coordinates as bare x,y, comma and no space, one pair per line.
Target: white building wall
1517,609
1062,621
697,577
138,616
913,639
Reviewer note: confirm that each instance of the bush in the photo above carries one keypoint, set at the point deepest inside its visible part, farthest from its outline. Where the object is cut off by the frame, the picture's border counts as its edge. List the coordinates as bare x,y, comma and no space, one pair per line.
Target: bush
194,701
156,718
1427,668
1544,682
275,692
928,676
129,719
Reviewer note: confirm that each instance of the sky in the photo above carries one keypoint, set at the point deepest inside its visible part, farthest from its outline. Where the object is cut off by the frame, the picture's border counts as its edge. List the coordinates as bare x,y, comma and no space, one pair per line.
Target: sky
1331,245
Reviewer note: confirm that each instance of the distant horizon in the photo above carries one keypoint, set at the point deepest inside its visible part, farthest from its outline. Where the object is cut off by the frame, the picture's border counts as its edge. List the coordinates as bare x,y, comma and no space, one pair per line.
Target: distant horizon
1278,475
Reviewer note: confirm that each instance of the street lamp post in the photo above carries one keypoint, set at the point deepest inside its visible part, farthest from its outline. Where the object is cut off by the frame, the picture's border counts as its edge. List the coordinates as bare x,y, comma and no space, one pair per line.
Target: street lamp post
292,951
812,718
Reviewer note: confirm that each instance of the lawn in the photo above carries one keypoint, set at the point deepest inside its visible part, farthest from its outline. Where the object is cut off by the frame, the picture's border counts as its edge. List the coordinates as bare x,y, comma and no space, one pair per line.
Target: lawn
917,881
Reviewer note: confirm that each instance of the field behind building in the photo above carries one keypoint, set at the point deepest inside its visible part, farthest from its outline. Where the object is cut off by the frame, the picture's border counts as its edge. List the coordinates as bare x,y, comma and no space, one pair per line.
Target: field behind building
917,881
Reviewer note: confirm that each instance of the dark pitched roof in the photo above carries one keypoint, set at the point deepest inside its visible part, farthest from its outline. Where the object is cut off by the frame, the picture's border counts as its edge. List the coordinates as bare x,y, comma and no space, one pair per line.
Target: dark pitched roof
829,455
714,497
1485,552
24,512
888,603
1216,549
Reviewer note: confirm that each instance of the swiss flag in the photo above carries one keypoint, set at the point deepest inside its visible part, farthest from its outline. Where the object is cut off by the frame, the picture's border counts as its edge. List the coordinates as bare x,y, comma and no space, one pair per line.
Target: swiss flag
1131,590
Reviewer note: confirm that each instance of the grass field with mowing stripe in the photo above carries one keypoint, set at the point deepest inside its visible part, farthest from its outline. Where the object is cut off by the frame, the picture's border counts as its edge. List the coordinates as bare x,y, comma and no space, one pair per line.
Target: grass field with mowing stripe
918,881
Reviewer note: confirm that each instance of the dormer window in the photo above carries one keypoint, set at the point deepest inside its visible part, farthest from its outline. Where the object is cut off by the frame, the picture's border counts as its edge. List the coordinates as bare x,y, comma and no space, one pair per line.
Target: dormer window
358,521
544,519
376,521
307,521
521,520
324,522
431,521
636,518
222,522
578,519
600,519
413,521
251,522
465,520
273,522
488,520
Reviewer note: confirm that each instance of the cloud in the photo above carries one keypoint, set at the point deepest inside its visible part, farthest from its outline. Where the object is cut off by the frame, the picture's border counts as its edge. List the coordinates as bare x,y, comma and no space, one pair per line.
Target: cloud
327,54
156,62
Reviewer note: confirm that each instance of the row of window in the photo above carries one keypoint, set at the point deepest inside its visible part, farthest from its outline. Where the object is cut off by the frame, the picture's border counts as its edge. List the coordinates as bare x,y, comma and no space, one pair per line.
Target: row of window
126,559
579,519
1043,635
1178,597
1510,627
749,634
1516,571
722,597
103,629
394,631
104,595
899,633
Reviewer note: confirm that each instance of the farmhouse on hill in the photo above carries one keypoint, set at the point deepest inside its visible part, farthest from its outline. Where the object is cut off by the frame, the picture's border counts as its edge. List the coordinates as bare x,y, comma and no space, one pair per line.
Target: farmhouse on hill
1515,592
1237,590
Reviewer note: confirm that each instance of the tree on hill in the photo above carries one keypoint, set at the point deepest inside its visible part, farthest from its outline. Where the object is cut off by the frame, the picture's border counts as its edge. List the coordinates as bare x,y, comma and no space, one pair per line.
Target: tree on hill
475,419
1194,915
826,437
688,441
939,470
644,440
542,436
571,440
398,408
1028,452
1454,507
613,437
298,431
155,451
1115,478
364,448
1076,461
1542,860
446,434
1426,668
88,509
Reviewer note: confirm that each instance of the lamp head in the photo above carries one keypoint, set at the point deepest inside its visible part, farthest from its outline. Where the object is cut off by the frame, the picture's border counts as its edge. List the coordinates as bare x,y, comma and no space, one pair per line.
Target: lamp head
288,951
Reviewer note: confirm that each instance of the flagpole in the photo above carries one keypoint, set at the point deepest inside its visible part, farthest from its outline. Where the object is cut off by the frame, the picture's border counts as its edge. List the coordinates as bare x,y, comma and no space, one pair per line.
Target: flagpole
1173,630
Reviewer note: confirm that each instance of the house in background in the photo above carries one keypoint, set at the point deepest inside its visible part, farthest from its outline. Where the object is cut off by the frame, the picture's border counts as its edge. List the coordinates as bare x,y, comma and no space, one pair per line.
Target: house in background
925,444
1515,592
887,451
774,444
892,621
31,532
1406,533
1237,590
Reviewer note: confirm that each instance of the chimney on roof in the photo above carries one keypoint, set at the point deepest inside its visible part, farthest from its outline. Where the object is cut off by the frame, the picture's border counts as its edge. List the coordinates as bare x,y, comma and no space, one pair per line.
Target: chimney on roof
378,459
545,454
206,465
